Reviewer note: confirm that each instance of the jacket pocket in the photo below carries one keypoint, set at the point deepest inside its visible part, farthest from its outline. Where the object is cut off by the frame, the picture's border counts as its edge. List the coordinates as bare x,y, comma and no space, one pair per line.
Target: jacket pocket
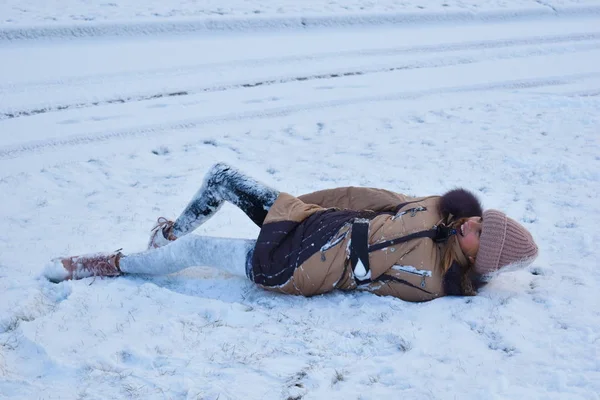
409,269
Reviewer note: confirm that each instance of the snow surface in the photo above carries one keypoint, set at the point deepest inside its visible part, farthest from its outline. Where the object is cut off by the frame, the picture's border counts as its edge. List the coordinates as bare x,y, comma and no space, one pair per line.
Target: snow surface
100,135
20,12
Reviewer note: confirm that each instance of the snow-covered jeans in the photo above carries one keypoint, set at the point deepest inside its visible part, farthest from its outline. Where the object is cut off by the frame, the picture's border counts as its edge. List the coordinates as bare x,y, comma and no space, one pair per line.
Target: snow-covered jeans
221,183
227,254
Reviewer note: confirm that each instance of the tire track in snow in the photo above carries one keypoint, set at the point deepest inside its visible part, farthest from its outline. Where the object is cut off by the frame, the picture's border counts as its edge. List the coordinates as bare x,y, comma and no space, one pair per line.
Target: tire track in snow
401,50
443,62
15,151
286,23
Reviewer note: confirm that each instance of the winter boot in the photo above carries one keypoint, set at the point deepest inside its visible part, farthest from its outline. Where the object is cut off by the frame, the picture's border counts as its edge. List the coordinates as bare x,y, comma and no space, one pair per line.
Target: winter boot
161,234
79,267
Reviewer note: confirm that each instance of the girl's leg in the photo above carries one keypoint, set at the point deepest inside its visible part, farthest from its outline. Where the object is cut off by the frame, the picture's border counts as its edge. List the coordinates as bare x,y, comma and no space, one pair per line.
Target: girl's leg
227,254
231,255
221,183
225,183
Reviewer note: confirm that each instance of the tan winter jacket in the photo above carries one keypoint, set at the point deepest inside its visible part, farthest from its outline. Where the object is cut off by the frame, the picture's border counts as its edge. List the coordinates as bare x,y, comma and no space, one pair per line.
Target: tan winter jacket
304,244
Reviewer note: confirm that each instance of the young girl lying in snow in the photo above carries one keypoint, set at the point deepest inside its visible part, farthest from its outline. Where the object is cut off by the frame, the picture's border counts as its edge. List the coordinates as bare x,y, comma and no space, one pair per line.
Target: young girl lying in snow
413,248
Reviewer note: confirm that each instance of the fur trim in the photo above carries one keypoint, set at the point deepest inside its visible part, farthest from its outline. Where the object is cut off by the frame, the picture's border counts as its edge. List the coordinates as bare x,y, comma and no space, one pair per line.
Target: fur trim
461,204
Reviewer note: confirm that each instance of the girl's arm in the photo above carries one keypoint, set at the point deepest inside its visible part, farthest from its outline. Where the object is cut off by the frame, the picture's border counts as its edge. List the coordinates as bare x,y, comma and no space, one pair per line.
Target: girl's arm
355,198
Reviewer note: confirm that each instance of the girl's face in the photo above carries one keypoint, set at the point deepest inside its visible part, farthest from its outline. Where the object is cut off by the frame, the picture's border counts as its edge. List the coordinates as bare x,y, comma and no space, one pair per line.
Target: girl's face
468,237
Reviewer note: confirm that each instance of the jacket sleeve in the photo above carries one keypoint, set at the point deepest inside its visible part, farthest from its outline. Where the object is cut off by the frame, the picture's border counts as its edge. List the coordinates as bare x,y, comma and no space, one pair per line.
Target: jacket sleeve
355,198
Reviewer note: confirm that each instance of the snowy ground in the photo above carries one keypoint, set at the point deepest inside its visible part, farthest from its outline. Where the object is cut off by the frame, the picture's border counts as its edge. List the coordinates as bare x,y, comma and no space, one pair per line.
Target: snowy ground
101,135
19,12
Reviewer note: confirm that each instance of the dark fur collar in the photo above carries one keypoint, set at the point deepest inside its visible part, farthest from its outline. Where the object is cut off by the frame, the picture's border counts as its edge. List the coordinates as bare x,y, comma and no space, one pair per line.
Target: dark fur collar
461,204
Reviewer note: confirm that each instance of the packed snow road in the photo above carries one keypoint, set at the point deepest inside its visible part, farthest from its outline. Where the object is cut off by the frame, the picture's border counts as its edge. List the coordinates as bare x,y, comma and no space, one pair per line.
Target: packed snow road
55,94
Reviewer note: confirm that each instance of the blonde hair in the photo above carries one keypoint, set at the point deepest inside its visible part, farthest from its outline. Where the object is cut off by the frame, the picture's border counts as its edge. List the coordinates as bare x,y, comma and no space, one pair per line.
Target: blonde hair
453,254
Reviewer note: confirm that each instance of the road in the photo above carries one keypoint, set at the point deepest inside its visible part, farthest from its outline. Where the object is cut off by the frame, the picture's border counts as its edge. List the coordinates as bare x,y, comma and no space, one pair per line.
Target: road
56,95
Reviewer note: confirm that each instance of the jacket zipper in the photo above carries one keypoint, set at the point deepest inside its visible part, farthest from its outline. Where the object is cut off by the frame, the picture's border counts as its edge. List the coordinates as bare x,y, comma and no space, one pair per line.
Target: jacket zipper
331,244
412,211
423,273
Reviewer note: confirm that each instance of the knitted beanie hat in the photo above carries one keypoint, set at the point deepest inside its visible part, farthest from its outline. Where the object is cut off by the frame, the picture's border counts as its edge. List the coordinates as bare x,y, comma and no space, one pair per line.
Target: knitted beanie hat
503,241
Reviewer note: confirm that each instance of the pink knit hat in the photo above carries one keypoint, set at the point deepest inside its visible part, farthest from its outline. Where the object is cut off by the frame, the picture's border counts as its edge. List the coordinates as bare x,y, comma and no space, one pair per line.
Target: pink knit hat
503,241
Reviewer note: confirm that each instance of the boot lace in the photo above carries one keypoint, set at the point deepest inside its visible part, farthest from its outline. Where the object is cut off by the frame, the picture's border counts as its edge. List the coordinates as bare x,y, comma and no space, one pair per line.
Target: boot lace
165,226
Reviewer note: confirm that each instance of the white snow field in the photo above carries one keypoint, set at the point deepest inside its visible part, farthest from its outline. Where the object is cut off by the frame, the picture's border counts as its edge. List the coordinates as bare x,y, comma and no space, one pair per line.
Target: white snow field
110,113
49,12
